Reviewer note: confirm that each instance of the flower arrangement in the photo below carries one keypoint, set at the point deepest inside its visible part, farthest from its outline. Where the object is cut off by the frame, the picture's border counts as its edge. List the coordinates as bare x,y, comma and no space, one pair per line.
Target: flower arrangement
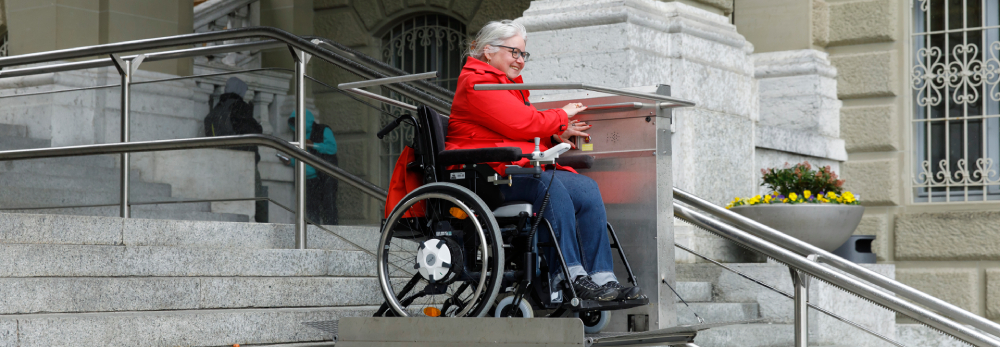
800,184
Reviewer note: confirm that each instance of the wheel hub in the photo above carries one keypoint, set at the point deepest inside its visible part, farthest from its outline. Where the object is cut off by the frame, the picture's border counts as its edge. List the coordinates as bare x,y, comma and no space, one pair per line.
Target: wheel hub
435,259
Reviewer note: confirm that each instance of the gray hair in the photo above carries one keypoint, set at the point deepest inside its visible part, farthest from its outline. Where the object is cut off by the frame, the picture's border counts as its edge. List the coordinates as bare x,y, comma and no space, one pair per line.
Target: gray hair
495,33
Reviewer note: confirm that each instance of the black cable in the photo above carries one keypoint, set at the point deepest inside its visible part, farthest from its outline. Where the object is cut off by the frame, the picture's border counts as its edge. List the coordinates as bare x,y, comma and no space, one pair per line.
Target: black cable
541,213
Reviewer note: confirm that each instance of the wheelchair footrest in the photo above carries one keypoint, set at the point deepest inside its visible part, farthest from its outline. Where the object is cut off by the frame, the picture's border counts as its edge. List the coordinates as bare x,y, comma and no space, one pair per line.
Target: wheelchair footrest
594,305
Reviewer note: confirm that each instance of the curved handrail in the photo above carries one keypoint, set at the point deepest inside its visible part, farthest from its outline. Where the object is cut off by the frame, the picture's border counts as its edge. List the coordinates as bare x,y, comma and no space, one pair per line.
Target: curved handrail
852,285
804,249
202,142
241,33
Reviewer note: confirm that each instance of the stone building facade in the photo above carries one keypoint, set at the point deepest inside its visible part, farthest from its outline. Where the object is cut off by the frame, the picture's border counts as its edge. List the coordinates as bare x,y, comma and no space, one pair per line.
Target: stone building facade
835,82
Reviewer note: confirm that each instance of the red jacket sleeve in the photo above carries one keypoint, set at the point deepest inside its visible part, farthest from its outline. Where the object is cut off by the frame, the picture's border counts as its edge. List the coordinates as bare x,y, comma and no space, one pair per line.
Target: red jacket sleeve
507,115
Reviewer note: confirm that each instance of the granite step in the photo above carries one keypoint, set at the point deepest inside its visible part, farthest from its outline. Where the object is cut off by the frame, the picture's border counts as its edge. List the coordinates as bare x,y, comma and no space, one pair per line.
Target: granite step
22,197
140,211
695,291
12,130
34,260
105,161
111,294
174,328
115,231
56,168
110,182
11,142
748,335
713,312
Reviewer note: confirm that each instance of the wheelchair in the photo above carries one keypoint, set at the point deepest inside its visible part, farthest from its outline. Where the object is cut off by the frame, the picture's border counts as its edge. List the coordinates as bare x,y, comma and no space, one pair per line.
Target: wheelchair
451,246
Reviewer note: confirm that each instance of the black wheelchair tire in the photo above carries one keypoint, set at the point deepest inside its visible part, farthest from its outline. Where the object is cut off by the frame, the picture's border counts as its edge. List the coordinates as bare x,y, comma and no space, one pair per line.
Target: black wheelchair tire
493,262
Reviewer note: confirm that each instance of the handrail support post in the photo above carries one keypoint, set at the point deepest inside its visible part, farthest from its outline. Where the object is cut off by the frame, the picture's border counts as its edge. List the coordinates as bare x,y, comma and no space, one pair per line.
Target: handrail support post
301,59
126,68
800,280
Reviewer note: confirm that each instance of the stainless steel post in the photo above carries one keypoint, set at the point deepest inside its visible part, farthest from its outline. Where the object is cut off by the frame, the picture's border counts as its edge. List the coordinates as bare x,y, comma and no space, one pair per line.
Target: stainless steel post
125,69
300,136
800,280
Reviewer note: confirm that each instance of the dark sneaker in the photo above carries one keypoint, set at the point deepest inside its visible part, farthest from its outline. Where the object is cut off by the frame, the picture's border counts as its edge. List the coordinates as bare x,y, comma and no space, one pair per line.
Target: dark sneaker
586,289
624,293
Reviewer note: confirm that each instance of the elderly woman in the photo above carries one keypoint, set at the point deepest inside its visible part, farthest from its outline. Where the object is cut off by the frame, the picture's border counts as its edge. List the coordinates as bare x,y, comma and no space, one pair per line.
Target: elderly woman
506,119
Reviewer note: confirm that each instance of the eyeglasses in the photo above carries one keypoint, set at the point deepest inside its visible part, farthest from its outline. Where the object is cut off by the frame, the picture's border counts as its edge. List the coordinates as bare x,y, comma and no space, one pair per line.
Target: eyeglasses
515,52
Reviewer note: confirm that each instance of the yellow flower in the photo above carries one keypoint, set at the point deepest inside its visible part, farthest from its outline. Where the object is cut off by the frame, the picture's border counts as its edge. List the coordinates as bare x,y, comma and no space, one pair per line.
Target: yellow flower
807,194
793,196
848,197
785,199
767,199
737,199
831,195
822,199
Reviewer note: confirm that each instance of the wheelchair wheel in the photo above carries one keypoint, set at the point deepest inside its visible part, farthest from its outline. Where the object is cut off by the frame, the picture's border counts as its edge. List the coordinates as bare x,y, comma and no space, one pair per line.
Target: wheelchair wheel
447,261
505,305
593,321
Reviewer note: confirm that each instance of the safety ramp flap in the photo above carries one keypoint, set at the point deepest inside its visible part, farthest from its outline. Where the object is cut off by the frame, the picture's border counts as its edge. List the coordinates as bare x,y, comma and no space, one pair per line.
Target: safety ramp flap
550,332
681,335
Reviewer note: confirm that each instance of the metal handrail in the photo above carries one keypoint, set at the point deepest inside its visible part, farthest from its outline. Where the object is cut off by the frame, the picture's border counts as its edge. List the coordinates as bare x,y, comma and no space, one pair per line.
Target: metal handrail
202,142
242,33
845,282
804,249
790,296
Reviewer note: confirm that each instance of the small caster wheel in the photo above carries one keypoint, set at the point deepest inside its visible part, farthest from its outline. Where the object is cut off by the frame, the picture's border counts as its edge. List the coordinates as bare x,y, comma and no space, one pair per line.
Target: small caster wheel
593,321
504,306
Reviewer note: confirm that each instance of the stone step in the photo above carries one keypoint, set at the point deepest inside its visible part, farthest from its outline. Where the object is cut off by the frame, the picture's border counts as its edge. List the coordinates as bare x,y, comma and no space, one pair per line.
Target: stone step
115,231
695,291
34,180
12,130
106,161
920,335
21,197
143,212
10,143
173,328
111,294
713,312
53,167
32,260
748,335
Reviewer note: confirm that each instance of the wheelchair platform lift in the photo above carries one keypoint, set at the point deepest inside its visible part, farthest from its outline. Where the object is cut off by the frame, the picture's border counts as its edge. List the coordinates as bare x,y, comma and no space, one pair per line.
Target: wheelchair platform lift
628,154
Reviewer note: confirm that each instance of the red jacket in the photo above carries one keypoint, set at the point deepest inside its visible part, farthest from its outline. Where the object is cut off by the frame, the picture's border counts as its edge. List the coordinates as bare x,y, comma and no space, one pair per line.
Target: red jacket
498,118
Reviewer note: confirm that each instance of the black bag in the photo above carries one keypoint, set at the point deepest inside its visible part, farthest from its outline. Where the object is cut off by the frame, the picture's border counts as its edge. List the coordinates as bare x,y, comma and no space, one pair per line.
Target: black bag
233,116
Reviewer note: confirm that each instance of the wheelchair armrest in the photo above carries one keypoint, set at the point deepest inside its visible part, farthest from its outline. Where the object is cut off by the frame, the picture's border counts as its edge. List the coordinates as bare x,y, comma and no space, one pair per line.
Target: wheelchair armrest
577,161
478,155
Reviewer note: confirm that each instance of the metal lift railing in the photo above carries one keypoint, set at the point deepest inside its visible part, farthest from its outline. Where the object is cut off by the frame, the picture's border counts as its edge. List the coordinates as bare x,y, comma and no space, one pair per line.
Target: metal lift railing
804,260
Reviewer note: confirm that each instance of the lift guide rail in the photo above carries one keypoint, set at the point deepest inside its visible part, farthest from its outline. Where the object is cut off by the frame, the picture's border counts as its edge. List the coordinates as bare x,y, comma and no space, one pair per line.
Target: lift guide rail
549,332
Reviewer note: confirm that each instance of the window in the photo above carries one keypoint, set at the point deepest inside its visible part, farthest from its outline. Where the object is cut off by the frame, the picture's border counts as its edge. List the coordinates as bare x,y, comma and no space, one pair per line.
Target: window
956,100
423,43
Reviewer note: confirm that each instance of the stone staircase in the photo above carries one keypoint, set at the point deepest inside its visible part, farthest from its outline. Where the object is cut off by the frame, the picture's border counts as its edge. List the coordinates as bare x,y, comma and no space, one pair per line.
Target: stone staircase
108,281
718,295
89,180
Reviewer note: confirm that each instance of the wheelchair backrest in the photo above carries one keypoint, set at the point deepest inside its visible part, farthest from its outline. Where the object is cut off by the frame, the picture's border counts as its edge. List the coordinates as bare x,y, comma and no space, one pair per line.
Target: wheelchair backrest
430,140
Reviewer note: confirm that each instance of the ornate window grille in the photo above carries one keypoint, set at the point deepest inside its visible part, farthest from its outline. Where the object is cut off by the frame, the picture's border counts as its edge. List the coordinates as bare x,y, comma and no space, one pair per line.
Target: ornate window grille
423,43
956,100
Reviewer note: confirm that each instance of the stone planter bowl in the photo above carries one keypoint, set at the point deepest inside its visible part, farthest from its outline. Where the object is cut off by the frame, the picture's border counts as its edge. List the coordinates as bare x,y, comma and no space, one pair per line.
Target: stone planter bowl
826,226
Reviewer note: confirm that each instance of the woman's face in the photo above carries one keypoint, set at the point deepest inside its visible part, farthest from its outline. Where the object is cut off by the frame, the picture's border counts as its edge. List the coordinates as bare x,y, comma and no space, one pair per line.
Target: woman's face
504,61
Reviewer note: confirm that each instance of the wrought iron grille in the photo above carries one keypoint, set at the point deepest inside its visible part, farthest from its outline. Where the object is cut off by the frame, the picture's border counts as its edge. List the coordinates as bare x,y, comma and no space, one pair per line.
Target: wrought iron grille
431,42
956,100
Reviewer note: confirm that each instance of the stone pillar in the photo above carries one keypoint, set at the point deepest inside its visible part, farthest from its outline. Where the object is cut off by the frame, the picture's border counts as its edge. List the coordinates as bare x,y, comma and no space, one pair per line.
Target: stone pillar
799,110
641,43
38,26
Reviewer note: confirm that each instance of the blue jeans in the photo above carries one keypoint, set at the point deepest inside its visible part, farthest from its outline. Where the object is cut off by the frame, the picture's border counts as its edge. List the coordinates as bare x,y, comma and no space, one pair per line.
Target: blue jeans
577,214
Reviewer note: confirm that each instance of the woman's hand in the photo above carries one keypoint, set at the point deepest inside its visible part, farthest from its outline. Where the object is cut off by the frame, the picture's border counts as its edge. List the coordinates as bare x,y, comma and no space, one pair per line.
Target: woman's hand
575,128
574,108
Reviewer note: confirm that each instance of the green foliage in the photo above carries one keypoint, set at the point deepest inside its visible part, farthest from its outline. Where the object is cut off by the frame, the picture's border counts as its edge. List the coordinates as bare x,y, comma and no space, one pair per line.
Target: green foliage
800,178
